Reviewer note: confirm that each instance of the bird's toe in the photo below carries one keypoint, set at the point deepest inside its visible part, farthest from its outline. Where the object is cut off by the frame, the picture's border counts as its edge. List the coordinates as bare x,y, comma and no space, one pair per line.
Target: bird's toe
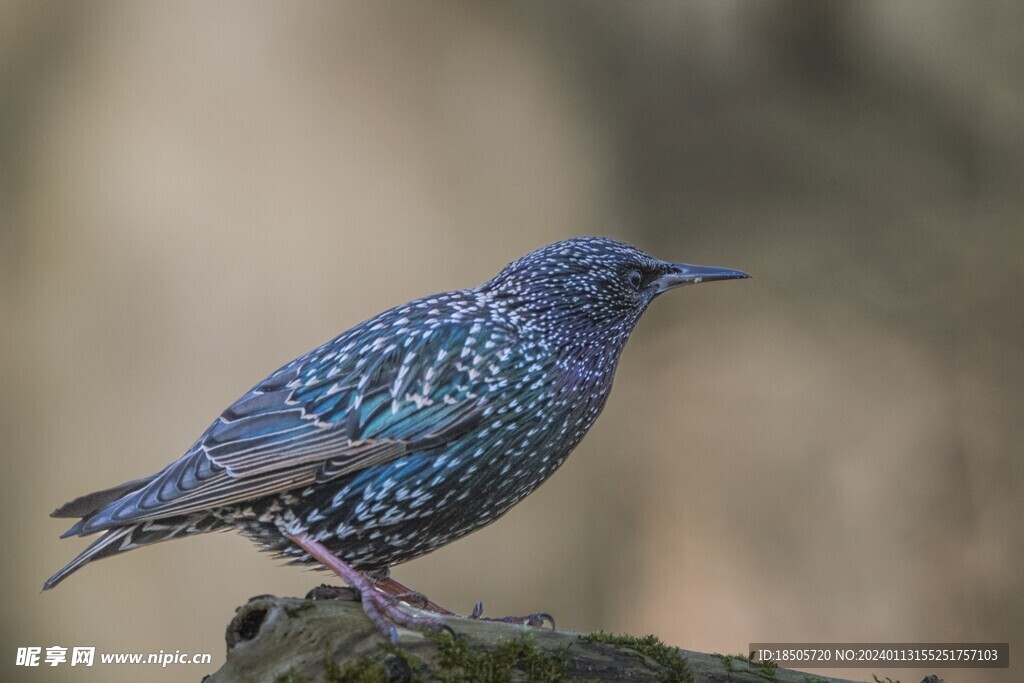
536,620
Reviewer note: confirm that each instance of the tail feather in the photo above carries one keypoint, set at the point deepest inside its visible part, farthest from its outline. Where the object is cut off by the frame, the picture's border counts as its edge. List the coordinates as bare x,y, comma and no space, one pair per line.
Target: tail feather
90,504
123,539
104,546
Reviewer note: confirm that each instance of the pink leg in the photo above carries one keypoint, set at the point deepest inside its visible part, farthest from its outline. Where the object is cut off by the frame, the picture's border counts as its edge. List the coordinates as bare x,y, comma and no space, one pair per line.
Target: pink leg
382,608
406,594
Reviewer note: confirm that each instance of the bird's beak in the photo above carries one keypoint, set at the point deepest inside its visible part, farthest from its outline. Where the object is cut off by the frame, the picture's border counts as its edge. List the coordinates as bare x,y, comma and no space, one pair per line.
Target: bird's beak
680,274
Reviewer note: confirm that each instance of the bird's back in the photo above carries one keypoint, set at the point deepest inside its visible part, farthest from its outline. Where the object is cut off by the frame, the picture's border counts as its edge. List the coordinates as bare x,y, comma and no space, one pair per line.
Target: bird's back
403,433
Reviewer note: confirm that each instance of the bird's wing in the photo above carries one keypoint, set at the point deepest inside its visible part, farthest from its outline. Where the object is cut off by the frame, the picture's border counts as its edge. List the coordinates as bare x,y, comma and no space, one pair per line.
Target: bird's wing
346,406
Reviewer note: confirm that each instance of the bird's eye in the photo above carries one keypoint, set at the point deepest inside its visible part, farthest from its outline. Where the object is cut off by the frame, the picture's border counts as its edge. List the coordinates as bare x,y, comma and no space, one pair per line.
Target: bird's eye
635,277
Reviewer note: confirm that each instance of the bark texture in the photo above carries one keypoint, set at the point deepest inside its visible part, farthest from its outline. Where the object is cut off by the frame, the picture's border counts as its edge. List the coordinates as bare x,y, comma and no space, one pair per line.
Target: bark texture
293,640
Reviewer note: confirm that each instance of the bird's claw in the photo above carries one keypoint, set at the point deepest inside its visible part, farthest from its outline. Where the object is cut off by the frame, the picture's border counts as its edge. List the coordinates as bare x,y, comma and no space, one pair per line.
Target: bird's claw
414,598
386,612
536,620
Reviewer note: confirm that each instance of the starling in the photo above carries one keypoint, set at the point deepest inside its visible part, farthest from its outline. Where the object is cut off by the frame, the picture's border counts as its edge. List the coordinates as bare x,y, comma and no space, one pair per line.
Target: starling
408,431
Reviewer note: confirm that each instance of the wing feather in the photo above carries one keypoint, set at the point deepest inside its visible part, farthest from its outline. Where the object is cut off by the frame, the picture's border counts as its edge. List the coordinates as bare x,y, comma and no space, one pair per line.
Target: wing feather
327,414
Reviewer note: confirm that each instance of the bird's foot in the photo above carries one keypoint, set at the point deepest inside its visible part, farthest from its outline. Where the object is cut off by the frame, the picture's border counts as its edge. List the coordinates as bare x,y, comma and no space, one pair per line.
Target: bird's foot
383,609
386,611
414,598
537,619
392,587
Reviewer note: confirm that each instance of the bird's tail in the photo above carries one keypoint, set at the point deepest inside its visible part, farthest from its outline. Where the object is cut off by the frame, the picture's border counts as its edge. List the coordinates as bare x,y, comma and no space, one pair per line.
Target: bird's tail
104,546
85,506
123,539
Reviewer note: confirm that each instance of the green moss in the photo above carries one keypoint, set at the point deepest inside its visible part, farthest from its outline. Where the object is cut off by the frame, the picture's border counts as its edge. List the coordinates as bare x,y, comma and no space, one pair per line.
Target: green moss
457,663
726,664
399,659
768,670
291,676
363,670
668,658
295,610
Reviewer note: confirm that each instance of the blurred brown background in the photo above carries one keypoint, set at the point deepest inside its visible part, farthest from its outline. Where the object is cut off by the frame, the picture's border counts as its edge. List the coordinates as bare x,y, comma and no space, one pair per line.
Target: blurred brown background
193,193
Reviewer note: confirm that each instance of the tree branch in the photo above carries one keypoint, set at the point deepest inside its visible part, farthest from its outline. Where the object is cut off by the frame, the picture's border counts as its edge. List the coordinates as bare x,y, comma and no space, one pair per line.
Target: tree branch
292,640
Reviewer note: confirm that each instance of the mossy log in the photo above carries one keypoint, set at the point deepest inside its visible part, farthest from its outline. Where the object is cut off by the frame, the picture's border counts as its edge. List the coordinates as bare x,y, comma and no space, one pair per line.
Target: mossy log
290,640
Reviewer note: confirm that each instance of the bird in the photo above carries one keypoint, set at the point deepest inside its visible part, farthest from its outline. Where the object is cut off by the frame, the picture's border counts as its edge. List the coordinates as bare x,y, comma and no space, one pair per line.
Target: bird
408,431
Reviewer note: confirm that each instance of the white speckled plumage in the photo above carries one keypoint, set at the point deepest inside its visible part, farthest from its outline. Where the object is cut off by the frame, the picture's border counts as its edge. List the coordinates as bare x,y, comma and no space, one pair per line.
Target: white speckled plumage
411,429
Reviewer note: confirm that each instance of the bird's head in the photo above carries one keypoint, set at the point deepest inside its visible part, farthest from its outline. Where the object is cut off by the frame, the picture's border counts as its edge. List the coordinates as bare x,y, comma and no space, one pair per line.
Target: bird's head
592,290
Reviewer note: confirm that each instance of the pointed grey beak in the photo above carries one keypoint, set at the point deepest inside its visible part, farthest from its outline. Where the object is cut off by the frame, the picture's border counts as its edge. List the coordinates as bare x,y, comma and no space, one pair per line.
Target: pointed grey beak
681,274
